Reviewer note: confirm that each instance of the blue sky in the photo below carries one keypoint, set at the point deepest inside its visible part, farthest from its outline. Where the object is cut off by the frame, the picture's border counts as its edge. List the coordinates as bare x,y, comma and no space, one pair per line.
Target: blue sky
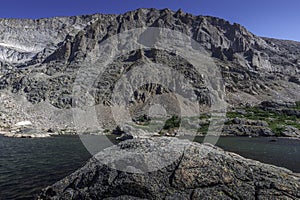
277,18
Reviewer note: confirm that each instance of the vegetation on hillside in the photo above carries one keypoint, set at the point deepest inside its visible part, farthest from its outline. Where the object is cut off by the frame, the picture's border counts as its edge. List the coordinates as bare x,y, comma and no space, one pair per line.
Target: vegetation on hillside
276,121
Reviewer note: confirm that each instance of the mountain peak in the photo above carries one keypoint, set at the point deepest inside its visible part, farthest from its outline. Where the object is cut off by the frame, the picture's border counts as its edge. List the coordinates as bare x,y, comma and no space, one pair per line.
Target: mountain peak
253,68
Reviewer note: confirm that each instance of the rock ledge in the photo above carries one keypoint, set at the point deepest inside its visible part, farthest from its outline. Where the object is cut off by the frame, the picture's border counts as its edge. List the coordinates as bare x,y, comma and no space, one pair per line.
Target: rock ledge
201,171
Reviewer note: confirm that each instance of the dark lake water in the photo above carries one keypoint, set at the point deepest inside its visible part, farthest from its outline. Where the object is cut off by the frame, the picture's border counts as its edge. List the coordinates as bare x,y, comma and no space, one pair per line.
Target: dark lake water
28,165
283,152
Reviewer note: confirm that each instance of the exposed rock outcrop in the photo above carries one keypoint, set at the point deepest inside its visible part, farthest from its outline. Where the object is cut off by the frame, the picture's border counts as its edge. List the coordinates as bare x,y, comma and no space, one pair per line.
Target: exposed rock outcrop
198,171
245,127
24,40
42,62
291,131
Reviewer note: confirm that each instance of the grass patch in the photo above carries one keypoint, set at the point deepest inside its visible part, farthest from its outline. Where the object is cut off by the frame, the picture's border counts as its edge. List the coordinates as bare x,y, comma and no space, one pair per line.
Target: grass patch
142,120
256,113
234,115
172,123
277,122
276,128
203,129
204,116
153,126
297,105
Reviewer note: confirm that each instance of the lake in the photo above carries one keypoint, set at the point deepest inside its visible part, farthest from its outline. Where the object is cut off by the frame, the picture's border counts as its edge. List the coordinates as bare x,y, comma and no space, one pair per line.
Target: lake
28,165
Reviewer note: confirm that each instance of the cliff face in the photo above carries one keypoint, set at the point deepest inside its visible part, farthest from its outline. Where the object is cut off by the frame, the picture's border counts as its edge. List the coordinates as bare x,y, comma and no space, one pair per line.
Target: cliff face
22,39
198,171
40,58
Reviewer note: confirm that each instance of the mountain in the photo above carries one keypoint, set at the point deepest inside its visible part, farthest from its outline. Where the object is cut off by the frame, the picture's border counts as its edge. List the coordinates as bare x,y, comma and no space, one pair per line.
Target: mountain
40,60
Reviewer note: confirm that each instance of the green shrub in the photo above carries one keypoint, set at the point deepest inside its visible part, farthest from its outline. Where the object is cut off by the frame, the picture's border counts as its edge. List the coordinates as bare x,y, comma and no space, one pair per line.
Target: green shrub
297,105
233,115
173,122
204,116
203,129
276,128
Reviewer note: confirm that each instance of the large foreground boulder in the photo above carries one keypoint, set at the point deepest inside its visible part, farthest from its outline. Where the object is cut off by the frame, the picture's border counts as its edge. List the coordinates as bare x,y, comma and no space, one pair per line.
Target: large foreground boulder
169,168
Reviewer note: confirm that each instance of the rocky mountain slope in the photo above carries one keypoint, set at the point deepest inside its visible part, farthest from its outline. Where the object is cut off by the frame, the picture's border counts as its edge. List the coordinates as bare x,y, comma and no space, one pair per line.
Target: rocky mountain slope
23,40
198,171
39,61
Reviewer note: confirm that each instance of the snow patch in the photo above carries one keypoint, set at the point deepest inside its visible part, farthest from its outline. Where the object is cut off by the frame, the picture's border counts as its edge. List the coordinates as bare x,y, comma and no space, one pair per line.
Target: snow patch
23,123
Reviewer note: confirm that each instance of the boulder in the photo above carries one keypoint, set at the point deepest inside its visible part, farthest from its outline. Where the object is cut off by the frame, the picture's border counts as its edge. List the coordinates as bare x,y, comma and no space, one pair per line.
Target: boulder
295,79
124,136
184,170
290,131
291,112
118,131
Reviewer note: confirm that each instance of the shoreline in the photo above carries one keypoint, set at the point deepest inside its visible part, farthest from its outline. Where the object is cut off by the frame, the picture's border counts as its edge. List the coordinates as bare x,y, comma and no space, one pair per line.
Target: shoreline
68,137
229,166
47,135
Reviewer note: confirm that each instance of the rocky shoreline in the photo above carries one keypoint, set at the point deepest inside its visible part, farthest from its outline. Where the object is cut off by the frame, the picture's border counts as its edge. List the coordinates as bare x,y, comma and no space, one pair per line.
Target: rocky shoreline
239,129
27,129
26,135
184,170
268,119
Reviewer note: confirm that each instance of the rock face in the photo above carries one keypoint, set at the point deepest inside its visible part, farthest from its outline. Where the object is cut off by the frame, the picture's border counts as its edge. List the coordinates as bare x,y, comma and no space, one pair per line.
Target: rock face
199,171
291,131
23,39
283,108
39,61
244,127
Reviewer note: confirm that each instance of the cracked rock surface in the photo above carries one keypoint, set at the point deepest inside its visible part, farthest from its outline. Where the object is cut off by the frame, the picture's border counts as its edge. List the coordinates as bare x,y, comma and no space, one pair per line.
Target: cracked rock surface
197,171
